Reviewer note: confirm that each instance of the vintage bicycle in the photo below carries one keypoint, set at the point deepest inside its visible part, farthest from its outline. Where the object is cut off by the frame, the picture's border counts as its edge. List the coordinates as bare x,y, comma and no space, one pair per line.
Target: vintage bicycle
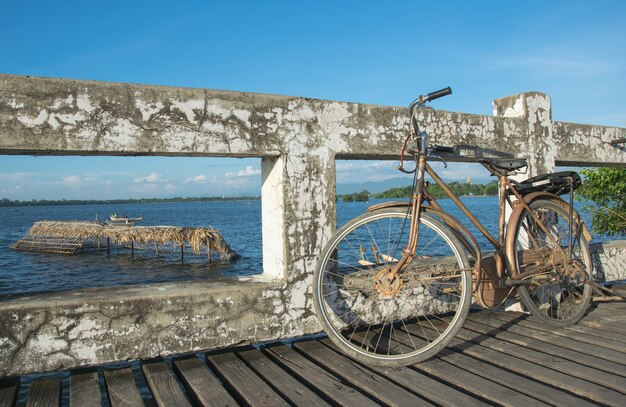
393,286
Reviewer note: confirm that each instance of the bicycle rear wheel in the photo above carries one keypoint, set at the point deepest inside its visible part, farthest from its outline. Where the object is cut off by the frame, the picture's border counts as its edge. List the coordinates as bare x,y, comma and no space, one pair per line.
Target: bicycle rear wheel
560,294
395,323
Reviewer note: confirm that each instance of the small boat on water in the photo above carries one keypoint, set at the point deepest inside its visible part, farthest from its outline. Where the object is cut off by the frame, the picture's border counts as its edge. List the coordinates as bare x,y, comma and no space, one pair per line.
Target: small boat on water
115,219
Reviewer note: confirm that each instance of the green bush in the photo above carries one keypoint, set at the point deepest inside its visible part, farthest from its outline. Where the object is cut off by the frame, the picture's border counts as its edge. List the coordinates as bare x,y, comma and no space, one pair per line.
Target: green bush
606,188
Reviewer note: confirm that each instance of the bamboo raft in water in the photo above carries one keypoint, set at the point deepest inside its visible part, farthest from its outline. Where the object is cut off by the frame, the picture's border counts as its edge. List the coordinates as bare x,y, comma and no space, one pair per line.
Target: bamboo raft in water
71,237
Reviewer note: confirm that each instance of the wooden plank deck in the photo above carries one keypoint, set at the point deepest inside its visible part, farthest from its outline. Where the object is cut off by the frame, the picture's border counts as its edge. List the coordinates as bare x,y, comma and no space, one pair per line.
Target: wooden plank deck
498,358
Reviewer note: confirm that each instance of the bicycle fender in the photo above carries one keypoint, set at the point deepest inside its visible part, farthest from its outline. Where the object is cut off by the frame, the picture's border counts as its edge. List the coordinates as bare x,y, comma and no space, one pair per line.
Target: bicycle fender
546,195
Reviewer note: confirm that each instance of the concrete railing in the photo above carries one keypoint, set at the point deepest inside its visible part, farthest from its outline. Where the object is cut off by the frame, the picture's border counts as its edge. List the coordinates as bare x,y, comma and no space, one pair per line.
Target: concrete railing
297,139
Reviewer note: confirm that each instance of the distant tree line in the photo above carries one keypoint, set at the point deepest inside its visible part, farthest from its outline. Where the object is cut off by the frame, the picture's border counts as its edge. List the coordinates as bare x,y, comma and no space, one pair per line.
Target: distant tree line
47,202
459,189
362,196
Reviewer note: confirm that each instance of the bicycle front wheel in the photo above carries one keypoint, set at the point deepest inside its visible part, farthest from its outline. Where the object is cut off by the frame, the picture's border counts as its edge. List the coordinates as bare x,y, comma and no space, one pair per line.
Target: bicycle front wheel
558,270
398,322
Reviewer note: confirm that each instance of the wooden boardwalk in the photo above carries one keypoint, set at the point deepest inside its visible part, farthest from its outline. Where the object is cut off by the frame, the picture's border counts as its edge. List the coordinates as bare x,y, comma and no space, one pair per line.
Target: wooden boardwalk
497,359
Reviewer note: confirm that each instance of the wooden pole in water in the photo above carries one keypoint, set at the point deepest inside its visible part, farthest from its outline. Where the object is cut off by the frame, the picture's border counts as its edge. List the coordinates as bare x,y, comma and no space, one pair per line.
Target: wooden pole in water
208,250
156,248
108,243
132,247
182,251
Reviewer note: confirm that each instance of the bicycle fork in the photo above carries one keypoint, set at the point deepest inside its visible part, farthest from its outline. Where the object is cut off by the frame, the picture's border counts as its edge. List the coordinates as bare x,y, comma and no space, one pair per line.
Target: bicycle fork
389,281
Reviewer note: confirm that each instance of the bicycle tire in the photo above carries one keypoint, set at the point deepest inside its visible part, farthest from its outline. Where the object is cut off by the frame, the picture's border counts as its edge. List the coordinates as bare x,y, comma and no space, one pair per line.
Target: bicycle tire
425,313
560,296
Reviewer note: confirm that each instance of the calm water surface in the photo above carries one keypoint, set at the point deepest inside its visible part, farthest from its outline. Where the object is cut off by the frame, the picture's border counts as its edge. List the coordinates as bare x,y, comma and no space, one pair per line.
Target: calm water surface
23,273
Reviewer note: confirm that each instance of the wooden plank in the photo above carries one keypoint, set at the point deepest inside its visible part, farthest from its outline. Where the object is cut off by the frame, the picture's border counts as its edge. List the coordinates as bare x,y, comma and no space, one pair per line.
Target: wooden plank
486,389
605,314
471,344
572,334
326,383
609,349
8,391
611,305
592,356
434,390
46,392
243,381
163,385
360,377
603,325
290,388
85,390
619,289
201,384
458,377
588,330
540,354
122,389
511,380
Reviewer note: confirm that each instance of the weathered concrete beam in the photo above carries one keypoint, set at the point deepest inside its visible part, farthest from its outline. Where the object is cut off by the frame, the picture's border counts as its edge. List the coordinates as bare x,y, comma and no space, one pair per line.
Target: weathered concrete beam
59,116
63,330
588,145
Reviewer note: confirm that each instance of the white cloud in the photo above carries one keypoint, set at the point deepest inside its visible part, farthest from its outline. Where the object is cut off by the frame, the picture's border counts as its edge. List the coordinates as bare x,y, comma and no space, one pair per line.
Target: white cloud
247,172
198,179
72,180
109,183
153,178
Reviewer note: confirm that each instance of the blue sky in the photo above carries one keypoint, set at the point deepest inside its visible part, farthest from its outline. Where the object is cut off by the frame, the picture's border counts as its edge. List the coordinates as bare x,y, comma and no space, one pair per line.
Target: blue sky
362,51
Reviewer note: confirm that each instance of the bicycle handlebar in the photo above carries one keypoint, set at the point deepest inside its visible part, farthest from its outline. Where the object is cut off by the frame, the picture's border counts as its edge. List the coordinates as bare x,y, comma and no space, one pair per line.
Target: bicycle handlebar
422,99
420,103
438,93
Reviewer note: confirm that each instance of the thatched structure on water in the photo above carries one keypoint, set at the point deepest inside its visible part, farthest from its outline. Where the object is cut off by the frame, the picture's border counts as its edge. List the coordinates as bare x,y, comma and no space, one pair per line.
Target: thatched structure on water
71,237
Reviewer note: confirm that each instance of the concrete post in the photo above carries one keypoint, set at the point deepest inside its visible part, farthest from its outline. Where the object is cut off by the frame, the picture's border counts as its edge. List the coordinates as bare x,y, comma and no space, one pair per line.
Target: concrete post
535,108
272,217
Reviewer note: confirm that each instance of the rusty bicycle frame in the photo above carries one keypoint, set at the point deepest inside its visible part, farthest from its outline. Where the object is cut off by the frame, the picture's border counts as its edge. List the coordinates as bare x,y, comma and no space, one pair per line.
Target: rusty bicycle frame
493,277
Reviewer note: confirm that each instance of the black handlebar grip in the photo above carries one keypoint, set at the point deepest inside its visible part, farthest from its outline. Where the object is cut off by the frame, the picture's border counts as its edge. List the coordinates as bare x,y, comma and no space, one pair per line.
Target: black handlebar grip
439,93
443,149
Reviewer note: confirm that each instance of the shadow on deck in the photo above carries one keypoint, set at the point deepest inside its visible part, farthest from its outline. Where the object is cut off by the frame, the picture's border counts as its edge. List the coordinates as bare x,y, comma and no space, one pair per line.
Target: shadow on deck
497,359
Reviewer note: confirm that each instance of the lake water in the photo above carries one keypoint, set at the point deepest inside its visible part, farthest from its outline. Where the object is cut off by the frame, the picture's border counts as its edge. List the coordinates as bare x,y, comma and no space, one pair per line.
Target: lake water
23,273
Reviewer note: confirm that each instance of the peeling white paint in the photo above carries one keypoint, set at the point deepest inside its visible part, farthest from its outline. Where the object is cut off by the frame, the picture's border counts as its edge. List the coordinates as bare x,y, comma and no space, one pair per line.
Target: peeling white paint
243,115
83,102
188,108
122,134
71,119
30,121
88,352
46,342
15,104
86,328
148,109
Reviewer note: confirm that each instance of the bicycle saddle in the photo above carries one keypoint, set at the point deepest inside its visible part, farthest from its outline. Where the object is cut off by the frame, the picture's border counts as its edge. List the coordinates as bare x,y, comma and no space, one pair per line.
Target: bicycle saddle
509,165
